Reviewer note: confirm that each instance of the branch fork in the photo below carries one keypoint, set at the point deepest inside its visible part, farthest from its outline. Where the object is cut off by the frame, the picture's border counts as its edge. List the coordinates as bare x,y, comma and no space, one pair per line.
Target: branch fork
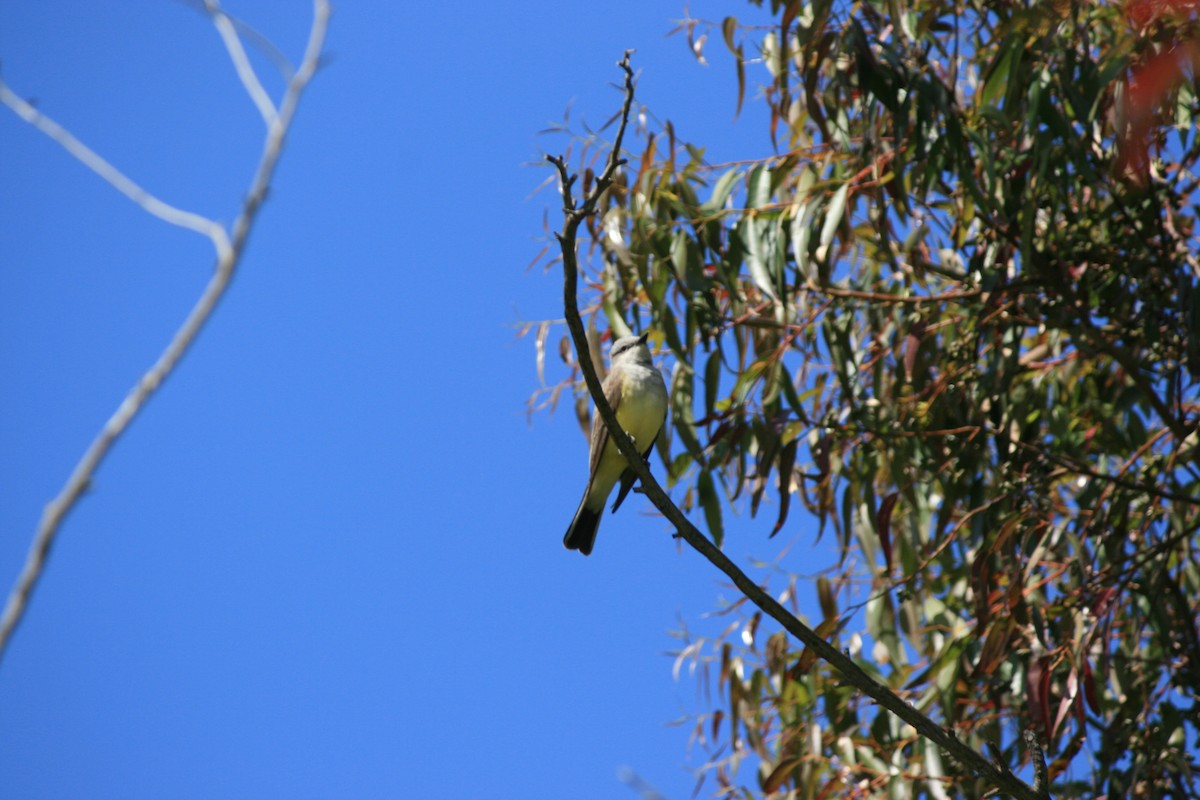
229,245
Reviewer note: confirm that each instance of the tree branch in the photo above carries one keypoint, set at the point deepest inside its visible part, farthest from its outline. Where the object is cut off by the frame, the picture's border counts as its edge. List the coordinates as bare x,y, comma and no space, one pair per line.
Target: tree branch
230,247
241,62
1000,777
117,179
1041,776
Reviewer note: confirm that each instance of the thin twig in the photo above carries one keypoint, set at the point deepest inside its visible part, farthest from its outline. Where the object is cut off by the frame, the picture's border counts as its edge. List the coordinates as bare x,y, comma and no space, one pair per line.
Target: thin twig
1079,468
882,297
97,164
241,62
1000,778
229,252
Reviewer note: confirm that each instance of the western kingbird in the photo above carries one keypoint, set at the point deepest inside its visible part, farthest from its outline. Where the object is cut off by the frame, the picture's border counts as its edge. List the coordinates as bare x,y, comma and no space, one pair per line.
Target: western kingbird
638,396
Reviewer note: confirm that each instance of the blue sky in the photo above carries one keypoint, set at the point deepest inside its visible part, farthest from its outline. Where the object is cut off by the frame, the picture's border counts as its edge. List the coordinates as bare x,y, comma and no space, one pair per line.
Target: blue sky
327,561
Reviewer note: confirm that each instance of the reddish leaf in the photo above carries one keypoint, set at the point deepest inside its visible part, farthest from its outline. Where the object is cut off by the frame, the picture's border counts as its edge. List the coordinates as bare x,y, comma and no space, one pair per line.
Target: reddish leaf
1142,13
751,628
827,597
787,461
1146,89
741,79
779,775
995,647
566,352
1016,602
981,577
1089,687
809,656
883,523
912,343
1103,601
1037,686
647,158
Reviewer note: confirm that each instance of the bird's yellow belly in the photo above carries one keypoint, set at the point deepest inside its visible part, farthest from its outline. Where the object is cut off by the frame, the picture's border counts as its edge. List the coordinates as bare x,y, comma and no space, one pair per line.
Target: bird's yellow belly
642,417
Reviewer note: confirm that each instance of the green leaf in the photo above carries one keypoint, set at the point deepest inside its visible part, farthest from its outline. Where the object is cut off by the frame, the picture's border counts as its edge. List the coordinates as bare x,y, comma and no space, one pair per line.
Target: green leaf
746,381
679,255
833,218
721,192
712,381
711,503
756,236
995,85
793,399
801,232
667,324
681,410
758,193
678,467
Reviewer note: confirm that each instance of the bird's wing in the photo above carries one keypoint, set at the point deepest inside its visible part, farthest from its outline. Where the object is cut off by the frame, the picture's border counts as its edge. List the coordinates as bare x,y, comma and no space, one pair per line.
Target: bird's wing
628,478
612,393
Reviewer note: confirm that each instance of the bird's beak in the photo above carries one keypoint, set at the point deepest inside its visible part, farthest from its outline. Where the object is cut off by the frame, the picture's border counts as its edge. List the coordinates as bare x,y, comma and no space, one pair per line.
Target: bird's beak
642,339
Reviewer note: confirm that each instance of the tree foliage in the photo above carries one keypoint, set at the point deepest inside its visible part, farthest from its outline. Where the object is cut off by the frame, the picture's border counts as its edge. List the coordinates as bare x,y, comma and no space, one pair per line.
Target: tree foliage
955,317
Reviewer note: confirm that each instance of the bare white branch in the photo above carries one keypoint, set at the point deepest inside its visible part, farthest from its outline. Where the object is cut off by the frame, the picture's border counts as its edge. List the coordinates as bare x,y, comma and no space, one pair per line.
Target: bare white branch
241,62
229,253
93,161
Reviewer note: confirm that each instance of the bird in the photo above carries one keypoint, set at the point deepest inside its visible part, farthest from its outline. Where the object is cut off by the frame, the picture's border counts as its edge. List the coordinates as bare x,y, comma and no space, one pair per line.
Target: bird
638,396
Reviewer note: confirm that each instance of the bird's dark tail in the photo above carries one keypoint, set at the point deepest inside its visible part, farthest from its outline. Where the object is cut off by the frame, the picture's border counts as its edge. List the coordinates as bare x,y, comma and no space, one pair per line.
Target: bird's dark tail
581,535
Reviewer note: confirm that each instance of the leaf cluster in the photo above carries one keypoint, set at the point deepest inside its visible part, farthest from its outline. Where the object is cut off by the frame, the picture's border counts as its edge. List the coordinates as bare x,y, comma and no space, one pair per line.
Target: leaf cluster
955,317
